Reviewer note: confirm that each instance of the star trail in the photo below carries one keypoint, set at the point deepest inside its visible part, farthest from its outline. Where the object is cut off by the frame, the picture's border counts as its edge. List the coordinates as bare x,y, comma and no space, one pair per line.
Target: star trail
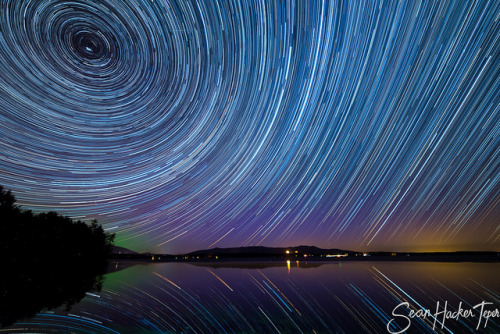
349,297
179,126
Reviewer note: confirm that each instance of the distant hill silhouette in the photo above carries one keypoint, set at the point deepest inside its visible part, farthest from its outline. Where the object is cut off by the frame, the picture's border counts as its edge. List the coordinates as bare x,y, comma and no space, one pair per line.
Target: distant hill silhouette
309,253
121,250
260,251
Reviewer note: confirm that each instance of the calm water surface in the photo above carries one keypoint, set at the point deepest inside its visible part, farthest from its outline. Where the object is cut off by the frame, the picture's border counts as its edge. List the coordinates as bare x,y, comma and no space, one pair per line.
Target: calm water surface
294,297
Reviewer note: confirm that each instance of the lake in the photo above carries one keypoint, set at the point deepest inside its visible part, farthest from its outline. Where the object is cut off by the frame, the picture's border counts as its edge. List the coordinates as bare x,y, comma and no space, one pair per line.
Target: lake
284,297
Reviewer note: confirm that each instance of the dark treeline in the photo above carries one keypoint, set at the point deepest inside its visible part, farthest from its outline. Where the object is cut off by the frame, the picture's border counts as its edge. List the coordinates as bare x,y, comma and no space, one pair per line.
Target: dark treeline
47,260
25,235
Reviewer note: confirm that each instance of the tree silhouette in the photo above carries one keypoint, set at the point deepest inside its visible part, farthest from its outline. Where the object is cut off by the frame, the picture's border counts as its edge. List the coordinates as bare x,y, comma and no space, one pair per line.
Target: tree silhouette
7,199
47,260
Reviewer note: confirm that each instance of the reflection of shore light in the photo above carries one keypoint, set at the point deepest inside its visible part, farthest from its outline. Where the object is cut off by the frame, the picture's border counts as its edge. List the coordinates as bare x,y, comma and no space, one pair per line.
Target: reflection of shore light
288,265
337,255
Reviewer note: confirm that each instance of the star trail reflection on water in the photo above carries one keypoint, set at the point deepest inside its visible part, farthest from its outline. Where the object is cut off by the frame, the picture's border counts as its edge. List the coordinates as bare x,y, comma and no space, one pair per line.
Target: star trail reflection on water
266,297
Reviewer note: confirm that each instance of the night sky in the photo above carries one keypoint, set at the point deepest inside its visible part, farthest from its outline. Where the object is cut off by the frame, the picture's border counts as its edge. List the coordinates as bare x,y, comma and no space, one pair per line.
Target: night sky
180,126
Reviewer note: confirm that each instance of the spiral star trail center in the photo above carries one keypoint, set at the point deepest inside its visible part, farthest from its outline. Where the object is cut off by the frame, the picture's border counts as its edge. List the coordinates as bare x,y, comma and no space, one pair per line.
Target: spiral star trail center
183,125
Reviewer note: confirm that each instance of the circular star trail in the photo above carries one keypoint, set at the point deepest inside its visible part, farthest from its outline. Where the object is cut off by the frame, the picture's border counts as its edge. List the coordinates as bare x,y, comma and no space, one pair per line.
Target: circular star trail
191,125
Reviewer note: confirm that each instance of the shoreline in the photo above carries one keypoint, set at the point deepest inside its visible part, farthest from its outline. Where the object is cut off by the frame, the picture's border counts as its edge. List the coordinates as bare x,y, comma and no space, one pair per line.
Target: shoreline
490,258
